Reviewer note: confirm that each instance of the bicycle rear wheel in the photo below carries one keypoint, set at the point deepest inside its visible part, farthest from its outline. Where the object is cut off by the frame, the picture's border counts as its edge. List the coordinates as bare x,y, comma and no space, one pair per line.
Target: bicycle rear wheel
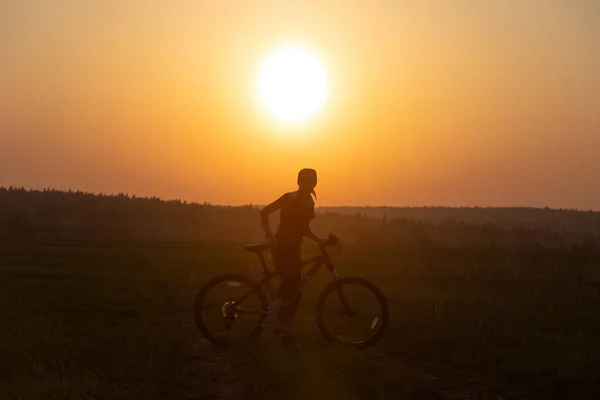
352,311
229,309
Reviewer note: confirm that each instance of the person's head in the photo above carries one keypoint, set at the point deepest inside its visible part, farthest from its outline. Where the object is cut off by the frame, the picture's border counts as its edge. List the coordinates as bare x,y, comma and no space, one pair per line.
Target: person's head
307,180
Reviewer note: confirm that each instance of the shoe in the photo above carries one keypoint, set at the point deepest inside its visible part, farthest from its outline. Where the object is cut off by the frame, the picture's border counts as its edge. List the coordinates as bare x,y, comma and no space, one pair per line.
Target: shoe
287,321
290,342
291,334
274,323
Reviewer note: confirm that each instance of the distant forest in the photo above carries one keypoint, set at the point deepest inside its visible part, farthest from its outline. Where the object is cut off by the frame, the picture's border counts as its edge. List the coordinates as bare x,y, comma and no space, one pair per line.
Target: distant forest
51,215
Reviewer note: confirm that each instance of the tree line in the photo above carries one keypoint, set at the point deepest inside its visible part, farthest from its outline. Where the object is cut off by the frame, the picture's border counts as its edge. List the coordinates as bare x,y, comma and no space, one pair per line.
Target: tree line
55,215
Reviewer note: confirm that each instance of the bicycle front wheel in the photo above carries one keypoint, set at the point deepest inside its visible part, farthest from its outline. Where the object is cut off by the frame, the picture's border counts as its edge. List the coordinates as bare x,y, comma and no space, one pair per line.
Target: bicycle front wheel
352,311
229,309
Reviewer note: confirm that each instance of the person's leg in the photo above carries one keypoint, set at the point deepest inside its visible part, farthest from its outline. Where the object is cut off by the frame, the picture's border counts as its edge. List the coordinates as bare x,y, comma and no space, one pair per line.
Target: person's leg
284,258
289,278
293,278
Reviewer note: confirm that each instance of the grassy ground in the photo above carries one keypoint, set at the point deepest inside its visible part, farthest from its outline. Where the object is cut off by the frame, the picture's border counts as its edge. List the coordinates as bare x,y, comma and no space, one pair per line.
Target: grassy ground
116,322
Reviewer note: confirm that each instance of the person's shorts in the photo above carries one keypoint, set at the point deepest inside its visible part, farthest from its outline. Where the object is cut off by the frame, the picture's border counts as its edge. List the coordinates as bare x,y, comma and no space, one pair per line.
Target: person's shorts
286,257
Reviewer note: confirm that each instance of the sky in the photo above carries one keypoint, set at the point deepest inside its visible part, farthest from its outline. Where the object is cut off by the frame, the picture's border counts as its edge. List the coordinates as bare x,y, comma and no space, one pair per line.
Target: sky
456,103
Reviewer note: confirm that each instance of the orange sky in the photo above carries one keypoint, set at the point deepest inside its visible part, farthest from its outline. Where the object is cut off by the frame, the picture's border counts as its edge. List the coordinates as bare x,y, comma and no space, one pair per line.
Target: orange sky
431,103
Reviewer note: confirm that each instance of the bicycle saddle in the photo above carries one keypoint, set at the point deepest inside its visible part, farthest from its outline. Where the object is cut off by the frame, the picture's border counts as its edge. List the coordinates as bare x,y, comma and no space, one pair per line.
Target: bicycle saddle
256,248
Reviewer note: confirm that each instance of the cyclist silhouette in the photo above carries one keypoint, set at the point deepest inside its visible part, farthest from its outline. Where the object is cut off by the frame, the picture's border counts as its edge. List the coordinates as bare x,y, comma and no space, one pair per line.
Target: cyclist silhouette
244,301
297,210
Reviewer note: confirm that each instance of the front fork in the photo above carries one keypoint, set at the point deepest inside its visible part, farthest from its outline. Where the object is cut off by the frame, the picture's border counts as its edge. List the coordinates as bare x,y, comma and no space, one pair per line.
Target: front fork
333,271
346,308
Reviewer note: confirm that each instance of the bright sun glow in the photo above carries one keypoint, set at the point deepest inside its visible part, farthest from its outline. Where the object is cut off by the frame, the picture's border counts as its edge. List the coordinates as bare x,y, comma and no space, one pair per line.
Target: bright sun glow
292,84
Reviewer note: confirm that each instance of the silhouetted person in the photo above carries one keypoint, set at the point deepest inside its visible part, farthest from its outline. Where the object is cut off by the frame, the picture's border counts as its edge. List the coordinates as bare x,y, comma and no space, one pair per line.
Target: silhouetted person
297,210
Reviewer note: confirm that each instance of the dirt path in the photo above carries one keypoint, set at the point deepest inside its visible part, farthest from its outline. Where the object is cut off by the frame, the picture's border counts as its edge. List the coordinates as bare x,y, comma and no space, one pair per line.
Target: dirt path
316,370
266,370
244,373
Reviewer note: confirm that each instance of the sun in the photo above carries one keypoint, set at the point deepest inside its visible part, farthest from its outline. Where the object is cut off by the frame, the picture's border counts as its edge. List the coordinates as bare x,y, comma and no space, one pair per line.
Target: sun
292,84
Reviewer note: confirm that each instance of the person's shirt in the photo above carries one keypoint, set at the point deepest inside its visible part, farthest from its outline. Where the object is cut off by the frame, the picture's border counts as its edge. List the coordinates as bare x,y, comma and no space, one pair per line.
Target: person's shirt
295,216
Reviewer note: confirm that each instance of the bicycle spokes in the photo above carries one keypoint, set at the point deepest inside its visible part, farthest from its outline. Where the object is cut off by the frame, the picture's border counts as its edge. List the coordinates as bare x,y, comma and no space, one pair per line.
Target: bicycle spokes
231,309
352,313
347,311
346,308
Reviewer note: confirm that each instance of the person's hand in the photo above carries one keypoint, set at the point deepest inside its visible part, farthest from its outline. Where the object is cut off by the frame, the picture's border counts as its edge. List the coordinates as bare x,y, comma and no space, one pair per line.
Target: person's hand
323,241
272,241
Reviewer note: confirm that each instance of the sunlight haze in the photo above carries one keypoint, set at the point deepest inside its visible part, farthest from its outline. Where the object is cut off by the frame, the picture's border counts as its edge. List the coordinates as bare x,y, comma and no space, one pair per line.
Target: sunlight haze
457,103
292,84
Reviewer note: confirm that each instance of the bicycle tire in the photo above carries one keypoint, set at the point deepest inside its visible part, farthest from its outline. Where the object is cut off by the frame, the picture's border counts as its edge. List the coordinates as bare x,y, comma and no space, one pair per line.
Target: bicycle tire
329,289
198,316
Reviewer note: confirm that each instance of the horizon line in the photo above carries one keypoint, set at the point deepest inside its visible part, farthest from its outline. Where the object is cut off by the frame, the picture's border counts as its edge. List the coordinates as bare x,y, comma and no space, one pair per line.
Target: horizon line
31,189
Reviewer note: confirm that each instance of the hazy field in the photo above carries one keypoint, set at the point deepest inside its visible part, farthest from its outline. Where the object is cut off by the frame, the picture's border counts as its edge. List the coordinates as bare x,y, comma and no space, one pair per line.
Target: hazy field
116,322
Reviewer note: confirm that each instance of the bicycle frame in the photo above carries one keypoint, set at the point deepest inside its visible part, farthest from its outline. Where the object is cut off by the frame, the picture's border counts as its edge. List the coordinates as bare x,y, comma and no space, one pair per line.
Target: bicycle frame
250,297
317,262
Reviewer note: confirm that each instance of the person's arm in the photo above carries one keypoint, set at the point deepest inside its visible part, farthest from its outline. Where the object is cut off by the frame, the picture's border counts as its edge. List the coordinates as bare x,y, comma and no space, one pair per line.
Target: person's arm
309,233
264,215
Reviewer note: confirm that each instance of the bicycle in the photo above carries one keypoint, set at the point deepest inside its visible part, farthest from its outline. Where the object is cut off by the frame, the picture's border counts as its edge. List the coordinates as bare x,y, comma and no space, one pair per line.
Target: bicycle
241,303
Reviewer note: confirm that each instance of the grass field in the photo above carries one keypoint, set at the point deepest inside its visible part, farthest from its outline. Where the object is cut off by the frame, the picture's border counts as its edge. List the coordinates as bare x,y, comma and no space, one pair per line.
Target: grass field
110,321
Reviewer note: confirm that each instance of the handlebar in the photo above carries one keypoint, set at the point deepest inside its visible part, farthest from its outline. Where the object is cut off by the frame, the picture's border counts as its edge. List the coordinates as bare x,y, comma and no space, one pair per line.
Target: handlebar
332,240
